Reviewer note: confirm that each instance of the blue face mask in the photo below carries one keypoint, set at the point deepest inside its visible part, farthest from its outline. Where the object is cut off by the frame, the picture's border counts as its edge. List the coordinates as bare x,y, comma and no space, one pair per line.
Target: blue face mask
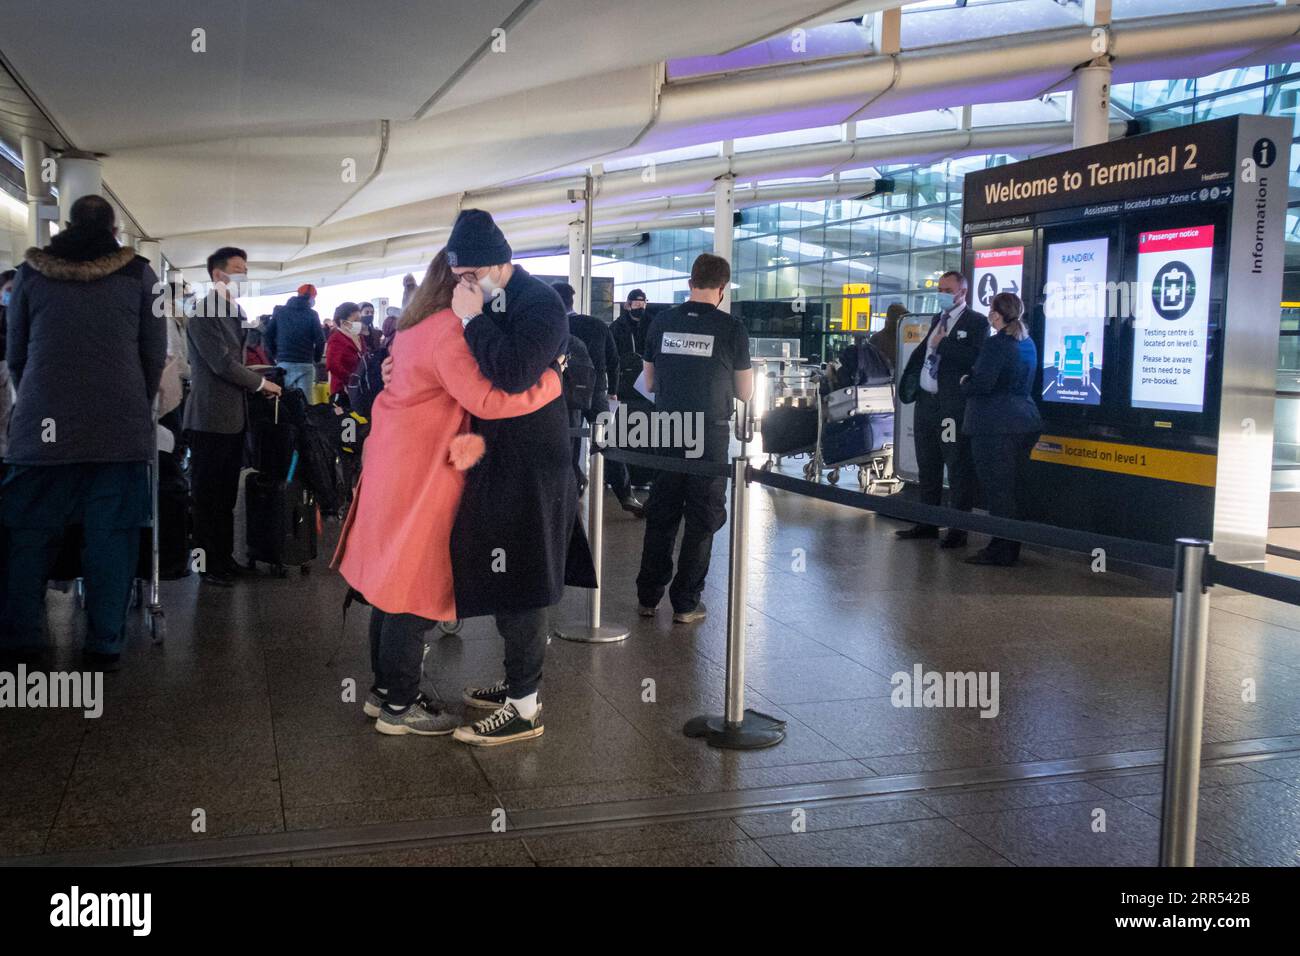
946,301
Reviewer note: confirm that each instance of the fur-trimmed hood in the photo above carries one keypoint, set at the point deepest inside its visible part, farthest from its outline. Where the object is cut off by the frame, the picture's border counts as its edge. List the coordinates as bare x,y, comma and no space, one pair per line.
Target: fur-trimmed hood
53,266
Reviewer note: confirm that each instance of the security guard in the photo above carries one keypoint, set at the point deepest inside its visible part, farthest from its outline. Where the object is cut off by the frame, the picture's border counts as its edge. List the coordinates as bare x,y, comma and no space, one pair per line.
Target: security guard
696,363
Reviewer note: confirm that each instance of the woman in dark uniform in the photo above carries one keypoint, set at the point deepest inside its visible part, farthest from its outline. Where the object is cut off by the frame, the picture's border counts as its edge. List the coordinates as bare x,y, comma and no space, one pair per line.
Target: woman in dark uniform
1001,418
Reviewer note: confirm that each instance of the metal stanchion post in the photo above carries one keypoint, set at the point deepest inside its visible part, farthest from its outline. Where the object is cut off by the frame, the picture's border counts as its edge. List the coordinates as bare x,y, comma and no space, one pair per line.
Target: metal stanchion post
737,728
1186,704
593,632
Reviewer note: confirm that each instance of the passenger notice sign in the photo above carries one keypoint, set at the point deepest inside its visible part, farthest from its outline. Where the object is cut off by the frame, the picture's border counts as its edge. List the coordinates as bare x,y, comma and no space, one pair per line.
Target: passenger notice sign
1172,318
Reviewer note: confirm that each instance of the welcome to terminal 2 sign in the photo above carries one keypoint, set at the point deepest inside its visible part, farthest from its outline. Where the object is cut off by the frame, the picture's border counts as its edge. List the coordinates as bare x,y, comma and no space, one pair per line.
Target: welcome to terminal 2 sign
1167,161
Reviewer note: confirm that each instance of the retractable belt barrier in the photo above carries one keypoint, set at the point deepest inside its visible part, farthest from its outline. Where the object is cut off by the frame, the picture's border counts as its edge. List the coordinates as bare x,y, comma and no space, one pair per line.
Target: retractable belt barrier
685,466
1027,532
1275,587
1194,567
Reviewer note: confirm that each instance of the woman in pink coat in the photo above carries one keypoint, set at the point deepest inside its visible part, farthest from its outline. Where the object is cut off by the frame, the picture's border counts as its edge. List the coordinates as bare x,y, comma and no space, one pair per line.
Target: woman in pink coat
395,544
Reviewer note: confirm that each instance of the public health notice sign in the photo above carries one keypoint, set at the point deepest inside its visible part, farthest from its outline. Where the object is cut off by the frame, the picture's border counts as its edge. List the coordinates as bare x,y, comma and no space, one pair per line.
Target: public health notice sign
1172,318
997,270
1074,306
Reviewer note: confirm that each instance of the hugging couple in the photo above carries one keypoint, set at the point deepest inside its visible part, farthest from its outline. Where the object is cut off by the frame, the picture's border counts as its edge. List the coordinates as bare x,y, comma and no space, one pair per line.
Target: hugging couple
468,503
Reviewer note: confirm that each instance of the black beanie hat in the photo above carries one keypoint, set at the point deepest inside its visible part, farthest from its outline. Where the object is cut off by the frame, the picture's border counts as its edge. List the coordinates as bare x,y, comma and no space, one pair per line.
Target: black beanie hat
476,240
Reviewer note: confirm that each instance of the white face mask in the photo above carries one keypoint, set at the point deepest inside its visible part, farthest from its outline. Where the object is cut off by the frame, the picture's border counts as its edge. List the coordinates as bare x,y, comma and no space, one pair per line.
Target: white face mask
237,282
488,286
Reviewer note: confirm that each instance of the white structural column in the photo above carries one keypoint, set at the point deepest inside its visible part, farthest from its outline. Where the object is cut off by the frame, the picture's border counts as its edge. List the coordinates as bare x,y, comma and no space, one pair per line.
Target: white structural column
79,175
576,235
40,195
724,209
1092,81
1092,103
151,249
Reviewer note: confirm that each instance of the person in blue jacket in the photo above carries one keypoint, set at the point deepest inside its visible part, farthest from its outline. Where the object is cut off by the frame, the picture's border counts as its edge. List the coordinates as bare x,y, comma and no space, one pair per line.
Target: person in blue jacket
296,339
1001,418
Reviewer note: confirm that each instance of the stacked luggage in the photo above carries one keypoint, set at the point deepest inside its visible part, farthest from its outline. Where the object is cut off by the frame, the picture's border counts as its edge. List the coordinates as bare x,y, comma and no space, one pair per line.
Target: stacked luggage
859,424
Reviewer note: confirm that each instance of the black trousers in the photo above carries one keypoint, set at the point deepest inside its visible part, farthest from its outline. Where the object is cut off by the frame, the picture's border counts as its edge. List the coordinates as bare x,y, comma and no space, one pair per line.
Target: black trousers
397,654
1001,462
215,462
525,633
933,455
702,502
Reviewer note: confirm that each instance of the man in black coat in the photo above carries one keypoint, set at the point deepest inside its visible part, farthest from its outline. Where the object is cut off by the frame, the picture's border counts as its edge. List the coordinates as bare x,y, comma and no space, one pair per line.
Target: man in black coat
629,333
598,339
516,541
932,379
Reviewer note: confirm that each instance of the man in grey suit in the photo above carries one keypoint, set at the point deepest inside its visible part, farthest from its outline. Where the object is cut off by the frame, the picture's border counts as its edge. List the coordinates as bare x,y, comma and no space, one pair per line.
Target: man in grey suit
216,413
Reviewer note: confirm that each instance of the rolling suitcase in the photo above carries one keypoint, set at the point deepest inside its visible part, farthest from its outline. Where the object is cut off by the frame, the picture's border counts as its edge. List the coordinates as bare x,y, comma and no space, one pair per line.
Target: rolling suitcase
281,523
856,437
859,400
789,429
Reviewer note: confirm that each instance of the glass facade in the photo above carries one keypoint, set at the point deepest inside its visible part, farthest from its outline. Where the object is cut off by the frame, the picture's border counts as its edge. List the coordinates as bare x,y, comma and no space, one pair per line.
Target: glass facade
802,268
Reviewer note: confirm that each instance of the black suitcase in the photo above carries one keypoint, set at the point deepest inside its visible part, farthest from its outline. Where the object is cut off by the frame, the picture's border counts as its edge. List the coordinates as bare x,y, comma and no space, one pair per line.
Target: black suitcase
175,520
858,436
788,430
281,523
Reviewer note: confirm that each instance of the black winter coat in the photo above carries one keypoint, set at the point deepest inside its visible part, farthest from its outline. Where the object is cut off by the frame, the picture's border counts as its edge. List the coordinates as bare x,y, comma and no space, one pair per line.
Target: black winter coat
86,349
517,540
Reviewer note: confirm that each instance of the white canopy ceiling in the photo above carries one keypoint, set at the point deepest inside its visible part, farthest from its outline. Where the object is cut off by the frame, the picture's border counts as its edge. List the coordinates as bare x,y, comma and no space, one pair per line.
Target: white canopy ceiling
325,131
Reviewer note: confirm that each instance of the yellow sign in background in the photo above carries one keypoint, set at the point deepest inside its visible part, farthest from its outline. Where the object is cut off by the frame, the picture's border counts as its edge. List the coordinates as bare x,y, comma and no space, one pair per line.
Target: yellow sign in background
1186,467
855,309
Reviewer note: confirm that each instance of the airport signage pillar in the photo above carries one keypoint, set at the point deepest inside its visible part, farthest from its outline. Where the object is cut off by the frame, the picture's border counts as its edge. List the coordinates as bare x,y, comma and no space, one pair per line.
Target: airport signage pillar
41,208
80,174
724,212
1151,270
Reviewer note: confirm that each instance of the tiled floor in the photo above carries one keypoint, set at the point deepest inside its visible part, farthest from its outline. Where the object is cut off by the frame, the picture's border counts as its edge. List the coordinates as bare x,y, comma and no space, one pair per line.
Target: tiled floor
242,721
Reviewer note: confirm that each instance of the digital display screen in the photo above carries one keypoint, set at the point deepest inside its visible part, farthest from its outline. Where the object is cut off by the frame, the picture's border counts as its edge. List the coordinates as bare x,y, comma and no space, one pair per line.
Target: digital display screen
1074,330
997,270
1172,318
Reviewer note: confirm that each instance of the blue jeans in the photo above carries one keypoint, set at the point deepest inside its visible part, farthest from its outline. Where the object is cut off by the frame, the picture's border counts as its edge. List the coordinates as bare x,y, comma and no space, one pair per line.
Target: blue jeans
299,375
111,503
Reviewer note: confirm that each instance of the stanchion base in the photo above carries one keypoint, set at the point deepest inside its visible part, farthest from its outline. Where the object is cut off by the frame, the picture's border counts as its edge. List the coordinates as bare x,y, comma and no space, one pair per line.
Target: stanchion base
586,634
755,732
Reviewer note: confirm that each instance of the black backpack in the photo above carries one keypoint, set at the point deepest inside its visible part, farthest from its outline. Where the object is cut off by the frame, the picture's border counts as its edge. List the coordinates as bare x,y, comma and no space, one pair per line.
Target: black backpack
873,367
579,376
367,382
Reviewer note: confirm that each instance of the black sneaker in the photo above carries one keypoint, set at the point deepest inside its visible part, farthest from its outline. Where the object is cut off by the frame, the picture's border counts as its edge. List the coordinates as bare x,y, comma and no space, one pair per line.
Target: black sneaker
633,507
504,726
488,698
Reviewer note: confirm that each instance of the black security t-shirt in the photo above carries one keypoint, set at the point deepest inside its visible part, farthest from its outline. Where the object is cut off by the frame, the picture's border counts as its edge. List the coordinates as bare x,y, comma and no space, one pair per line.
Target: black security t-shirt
695,349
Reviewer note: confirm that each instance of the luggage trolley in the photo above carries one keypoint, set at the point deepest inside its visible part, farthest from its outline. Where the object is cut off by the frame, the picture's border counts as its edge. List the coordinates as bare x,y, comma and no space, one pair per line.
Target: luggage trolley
856,428
791,420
